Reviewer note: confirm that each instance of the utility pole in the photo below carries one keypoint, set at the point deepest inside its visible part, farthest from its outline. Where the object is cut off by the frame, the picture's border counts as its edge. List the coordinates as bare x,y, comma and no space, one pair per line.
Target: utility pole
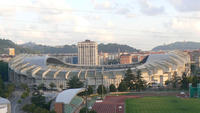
102,83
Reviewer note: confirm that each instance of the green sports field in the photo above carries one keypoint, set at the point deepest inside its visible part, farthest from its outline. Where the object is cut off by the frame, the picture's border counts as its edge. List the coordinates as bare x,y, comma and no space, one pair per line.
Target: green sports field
162,105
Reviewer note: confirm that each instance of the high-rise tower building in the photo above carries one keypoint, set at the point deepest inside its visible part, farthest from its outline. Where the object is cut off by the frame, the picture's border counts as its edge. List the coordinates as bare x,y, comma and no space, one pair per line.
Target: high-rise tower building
88,53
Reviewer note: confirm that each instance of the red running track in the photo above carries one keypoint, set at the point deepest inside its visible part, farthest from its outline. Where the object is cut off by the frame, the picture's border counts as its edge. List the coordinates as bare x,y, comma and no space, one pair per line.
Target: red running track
112,104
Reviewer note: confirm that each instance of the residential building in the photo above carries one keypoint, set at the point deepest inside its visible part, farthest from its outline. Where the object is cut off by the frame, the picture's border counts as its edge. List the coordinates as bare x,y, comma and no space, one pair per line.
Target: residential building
125,59
88,53
11,51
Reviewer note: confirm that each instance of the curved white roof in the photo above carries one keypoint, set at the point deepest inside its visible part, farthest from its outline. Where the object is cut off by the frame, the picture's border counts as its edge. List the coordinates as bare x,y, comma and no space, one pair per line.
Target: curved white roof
67,95
4,101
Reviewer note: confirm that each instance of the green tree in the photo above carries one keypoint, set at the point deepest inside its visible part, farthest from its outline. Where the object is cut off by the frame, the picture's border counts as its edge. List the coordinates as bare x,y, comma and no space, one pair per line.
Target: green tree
140,83
92,111
90,90
122,86
112,88
1,87
4,70
130,79
39,101
41,86
52,85
61,86
24,86
101,89
40,110
83,110
184,81
29,108
175,80
195,81
24,94
74,82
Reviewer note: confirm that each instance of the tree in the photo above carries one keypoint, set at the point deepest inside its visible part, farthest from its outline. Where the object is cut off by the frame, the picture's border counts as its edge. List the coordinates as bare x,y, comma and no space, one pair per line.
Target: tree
101,89
39,101
195,81
175,80
24,86
1,87
83,110
92,111
90,90
122,86
112,88
4,70
184,81
75,82
29,108
130,79
52,85
41,86
140,83
61,86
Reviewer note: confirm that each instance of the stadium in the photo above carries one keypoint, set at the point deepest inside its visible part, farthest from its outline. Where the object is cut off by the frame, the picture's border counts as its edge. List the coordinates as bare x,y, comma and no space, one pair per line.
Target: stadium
35,69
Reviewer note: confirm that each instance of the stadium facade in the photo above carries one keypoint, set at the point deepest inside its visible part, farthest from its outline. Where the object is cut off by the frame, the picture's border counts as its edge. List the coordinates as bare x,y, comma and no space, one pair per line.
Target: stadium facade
37,69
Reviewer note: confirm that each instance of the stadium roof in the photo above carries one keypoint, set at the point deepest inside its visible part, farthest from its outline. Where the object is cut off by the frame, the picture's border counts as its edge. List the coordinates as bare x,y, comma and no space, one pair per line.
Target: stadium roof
67,95
4,101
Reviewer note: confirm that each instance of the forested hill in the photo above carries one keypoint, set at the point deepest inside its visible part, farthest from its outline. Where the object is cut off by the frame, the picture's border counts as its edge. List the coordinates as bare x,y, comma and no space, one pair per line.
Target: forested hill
178,46
110,48
113,48
5,44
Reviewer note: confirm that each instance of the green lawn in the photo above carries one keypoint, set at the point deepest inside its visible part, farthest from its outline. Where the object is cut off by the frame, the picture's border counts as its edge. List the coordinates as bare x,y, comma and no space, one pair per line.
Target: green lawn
162,105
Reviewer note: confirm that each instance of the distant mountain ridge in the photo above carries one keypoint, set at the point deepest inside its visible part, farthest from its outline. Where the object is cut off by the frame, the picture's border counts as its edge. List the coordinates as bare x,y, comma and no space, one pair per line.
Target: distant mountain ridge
178,46
5,44
109,48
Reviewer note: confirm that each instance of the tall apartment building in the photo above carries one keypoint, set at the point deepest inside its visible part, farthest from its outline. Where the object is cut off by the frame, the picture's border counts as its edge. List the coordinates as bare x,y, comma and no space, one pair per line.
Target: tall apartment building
88,53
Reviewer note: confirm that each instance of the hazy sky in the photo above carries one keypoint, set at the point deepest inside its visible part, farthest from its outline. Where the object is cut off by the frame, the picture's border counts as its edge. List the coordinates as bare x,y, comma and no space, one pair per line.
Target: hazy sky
142,24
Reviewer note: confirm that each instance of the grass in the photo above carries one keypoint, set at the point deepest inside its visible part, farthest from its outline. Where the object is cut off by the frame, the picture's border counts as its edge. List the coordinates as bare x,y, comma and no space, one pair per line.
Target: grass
162,105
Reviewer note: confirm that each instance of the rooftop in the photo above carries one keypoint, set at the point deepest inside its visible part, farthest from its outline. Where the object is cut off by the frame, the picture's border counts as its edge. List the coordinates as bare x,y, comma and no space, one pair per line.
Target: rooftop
4,101
67,95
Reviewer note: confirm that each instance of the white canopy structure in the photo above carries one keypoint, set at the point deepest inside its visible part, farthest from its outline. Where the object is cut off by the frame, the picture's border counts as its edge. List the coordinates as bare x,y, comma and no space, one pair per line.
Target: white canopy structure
67,95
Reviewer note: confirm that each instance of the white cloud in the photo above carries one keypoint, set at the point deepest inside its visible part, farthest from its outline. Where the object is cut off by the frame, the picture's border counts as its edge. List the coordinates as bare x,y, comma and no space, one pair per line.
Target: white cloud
123,11
148,9
105,5
186,5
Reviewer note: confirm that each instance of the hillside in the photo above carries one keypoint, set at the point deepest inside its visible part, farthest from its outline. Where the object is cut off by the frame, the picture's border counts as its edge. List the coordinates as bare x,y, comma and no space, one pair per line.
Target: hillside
4,44
110,48
113,48
178,46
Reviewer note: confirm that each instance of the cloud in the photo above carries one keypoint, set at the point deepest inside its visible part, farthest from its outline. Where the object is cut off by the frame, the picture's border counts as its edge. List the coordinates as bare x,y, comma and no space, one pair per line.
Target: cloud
123,11
105,5
148,9
186,5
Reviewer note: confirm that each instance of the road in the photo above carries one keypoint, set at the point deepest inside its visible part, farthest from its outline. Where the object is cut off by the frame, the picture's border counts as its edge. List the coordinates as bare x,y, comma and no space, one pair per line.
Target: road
15,106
